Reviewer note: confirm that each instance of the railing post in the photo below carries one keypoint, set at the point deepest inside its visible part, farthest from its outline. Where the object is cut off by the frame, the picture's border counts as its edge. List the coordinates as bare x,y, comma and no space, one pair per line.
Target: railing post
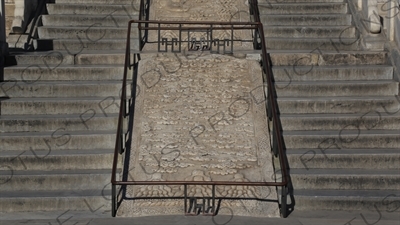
284,193
3,40
114,201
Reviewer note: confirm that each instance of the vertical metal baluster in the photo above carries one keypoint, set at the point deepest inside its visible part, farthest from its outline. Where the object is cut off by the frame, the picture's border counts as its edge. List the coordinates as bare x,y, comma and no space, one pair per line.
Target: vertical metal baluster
185,193
114,201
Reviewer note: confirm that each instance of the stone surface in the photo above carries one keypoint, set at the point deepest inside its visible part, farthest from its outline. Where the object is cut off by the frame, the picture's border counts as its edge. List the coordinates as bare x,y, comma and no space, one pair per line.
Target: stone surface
200,118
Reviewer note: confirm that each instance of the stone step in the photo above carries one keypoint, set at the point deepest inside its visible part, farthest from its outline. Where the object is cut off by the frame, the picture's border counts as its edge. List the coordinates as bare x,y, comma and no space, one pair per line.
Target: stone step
342,139
329,105
117,21
290,74
90,121
357,121
313,199
309,32
325,44
303,8
112,58
303,1
46,60
344,179
43,143
61,89
131,10
18,41
101,2
76,46
297,217
68,180
307,20
34,73
93,34
93,200
49,106
336,88
348,159
316,58
81,159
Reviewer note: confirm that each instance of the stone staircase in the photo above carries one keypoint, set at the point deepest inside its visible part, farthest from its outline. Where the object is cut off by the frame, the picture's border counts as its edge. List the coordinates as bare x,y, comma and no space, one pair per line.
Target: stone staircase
339,110
339,105
59,110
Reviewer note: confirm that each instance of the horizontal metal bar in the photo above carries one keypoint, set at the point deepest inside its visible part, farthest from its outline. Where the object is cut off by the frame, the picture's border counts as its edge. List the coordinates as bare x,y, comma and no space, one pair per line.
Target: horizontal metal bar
232,183
198,28
194,22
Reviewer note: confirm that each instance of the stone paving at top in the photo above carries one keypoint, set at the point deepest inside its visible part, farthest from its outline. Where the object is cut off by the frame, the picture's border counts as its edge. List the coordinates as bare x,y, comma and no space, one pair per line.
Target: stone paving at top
200,117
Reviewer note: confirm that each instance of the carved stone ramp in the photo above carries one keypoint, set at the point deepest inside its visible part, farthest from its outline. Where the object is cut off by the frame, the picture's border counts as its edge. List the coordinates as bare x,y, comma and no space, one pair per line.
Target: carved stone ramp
200,117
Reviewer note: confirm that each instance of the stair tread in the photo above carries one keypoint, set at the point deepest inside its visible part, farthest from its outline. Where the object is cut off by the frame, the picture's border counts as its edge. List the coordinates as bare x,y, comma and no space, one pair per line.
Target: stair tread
383,151
55,172
61,82
86,28
311,39
63,66
71,152
338,82
339,115
53,116
266,27
50,133
330,98
347,193
58,99
331,67
347,132
345,172
55,194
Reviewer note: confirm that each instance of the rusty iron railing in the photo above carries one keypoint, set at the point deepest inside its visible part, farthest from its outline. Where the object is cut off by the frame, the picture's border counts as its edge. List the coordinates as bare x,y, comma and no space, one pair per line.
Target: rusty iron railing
127,106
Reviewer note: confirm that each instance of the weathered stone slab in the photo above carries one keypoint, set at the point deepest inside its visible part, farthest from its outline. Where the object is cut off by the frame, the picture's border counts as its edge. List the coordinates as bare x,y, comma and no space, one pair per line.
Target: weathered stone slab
200,117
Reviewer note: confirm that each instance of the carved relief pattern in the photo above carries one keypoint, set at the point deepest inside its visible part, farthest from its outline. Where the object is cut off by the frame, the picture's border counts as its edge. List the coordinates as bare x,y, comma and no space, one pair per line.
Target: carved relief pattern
201,10
195,116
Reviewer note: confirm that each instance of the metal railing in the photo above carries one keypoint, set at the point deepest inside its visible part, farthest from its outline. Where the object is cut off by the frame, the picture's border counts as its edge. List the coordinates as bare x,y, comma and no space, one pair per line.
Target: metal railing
127,105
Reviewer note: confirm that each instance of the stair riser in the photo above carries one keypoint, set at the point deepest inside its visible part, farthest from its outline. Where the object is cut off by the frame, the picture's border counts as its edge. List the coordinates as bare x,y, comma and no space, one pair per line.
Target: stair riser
58,162
104,2
32,74
341,182
325,59
13,90
309,8
92,34
55,182
315,159
310,44
307,20
309,32
55,204
43,62
84,9
318,90
91,59
372,121
336,105
347,204
85,121
84,21
343,141
76,46
299,73
37,107
61,140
